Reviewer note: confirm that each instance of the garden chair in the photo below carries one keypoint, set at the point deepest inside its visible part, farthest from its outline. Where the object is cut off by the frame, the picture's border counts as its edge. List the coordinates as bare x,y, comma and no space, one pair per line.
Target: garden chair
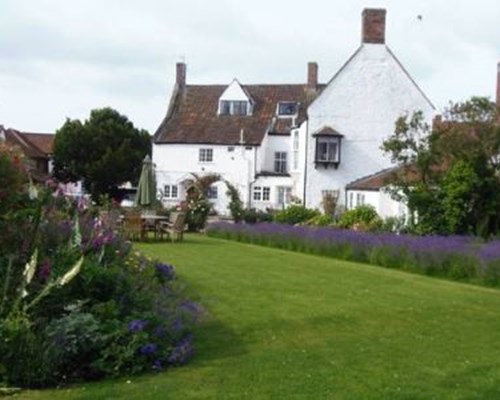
132,226
149,224
175,228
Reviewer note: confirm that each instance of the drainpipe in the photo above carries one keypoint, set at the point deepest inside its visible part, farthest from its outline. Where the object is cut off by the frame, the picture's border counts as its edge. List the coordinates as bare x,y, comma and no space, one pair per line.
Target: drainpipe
305,163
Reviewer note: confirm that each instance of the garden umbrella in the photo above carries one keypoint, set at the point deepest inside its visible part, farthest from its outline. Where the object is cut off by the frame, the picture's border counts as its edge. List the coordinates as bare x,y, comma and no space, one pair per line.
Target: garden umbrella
146,188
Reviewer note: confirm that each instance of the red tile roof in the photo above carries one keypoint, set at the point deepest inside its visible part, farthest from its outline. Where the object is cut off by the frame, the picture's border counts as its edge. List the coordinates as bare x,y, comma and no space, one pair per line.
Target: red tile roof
35,145
193,118
43,141
375,181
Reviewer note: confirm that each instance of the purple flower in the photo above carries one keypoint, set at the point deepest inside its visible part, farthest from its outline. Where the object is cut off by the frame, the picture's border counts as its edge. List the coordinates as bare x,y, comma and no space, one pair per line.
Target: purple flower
182,352
137,325
45,268
165,271
158,364
148,349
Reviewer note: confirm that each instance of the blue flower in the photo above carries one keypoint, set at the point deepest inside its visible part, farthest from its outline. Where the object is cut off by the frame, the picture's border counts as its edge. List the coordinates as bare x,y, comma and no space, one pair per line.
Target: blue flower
148,349
182,352
165,271
137,325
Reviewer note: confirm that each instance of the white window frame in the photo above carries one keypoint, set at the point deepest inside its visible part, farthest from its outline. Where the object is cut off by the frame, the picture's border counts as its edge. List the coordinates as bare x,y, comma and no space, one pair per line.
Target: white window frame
170,191
281,162
284,194
295,149
261,193
283,104
206,155
230,107
360,199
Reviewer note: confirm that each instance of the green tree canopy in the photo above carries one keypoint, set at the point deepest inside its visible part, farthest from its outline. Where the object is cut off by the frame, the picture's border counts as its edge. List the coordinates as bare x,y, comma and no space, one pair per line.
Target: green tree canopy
450,175
104,152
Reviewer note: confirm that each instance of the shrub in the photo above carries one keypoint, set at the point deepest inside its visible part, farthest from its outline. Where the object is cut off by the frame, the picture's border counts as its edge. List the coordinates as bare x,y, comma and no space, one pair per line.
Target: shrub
362,215
295,214
235,204
320,220
253,216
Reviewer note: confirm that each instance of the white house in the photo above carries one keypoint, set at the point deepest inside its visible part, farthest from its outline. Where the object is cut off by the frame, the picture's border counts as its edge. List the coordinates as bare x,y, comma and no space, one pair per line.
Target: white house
276,142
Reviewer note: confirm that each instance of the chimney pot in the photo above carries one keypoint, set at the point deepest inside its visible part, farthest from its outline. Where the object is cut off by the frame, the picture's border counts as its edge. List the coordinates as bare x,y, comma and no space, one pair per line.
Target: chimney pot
373,29
180,79
312,76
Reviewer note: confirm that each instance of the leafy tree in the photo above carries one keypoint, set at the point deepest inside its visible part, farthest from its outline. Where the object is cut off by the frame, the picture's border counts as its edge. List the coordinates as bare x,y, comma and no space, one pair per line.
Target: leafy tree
450,174
104,151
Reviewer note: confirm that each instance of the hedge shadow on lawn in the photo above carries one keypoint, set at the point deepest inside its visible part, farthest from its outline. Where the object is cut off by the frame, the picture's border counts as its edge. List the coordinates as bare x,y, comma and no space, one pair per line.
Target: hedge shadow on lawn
214,340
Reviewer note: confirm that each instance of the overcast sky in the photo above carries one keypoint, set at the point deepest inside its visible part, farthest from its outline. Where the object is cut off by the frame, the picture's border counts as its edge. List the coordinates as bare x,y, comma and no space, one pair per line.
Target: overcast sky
61,58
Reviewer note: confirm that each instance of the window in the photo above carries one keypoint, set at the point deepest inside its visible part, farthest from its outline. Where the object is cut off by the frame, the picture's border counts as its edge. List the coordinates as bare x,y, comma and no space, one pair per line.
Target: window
296,150
212,193
266,193
230,107
328,150
206,155
225,107
239,107
280,166
351,201
284,195
261,193
360,199
170,191
287,108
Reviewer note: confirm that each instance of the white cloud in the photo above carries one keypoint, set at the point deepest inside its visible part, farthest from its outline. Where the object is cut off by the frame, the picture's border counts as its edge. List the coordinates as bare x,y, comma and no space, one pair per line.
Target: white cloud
61,58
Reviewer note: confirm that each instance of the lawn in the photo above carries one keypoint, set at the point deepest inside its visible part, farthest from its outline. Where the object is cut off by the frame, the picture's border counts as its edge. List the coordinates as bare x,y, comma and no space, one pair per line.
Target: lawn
284,325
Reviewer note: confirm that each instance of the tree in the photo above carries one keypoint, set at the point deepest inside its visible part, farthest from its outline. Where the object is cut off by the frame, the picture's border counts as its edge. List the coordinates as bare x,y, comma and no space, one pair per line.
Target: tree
450,174
104,151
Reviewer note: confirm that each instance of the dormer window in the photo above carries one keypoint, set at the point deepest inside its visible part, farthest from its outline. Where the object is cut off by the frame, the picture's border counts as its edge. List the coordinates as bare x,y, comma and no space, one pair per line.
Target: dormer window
287,108
328,143
235,101
228,107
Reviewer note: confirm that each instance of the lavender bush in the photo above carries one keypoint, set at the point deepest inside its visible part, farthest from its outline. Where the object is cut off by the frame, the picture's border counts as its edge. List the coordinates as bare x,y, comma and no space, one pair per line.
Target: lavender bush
455,257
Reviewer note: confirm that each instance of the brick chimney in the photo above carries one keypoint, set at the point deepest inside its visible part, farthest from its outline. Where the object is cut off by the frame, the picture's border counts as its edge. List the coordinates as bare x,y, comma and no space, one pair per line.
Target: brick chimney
180,78
373,30
312,76
498,84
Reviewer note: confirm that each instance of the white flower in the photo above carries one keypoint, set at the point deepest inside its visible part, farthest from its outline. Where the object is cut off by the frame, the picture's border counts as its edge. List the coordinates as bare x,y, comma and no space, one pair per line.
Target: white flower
29,269
71,273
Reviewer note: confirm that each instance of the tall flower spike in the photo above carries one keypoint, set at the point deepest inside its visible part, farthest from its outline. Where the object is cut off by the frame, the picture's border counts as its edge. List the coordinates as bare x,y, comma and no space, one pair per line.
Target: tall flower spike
68,276
30,268
32,190
77,236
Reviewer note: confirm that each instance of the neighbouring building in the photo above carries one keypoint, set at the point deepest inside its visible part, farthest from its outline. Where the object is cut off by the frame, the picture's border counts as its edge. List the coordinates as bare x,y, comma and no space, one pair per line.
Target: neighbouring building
37,147
280,142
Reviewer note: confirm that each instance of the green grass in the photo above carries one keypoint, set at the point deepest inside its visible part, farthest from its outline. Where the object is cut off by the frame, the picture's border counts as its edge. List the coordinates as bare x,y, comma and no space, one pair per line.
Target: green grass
285,325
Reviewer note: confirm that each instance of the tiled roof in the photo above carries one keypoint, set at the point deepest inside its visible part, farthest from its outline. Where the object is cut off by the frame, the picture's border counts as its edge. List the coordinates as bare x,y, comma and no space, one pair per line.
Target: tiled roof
193,118
327,131
43,141
375,181
35,145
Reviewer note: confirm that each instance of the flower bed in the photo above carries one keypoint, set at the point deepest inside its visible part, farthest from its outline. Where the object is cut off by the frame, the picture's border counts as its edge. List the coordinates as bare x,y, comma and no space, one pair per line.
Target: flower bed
76,303
455,257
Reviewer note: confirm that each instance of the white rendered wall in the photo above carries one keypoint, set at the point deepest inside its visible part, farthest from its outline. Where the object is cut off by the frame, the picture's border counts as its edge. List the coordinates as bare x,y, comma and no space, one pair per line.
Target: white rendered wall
381,201
175,163
275,143
362,103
